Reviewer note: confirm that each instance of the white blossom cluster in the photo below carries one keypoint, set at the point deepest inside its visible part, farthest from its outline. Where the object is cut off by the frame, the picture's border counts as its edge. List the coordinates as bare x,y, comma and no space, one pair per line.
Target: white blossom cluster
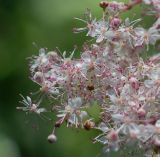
110,72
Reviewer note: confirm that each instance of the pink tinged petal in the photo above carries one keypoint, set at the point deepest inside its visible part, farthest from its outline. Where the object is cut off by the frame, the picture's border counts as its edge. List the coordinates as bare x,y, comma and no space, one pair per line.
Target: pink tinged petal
146,132
100,39
157,124
102,126
148,83
117,117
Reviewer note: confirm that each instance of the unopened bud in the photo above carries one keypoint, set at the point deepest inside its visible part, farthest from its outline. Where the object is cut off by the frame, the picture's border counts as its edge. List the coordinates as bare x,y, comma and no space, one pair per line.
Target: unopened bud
103,4
134,83
115,22
88,124
113,135
52,138
141,112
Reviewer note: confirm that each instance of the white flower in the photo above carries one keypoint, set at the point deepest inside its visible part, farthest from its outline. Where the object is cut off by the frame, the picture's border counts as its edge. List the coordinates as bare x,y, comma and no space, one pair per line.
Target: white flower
157,124
75,102
117,117
128,129
103,127
155,74
141,36
153,35
145,37
146,132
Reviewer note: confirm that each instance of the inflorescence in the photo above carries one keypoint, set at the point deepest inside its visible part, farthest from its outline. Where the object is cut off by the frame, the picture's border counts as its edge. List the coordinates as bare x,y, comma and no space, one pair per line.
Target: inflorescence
110,72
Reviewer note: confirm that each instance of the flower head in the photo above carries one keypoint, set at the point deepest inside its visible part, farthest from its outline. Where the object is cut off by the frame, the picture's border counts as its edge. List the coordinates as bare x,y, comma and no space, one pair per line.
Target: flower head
109,73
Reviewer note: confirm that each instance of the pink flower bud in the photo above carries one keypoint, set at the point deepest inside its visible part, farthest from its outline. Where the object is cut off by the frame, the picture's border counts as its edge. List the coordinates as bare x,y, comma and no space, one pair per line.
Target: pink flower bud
134,83
113,135
115,22
141,112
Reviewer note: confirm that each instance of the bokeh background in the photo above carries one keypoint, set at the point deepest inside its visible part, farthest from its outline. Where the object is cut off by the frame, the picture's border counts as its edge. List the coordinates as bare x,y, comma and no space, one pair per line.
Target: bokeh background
26,26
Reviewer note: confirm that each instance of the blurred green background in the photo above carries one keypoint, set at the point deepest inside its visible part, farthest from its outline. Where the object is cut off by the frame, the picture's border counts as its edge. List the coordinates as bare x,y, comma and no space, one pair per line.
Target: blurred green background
47,23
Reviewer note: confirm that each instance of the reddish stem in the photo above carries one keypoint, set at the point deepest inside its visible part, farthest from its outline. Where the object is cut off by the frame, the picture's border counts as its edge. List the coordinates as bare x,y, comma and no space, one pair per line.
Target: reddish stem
128,6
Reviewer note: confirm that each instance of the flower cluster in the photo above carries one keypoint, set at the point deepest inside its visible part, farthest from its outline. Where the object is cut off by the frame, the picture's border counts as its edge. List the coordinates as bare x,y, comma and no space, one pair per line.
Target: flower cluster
109,72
